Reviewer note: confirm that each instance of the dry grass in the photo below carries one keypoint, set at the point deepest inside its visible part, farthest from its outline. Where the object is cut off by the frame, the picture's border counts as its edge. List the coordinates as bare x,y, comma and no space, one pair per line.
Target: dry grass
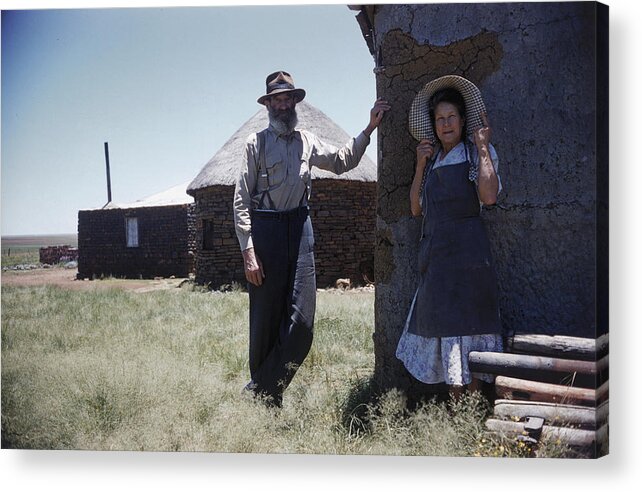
115,370
20,256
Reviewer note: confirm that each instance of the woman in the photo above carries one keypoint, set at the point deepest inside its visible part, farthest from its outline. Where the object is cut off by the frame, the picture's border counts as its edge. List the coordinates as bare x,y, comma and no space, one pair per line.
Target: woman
455,310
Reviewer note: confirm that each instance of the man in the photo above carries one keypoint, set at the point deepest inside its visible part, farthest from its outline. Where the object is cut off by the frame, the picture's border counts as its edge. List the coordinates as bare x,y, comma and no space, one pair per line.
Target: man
275,233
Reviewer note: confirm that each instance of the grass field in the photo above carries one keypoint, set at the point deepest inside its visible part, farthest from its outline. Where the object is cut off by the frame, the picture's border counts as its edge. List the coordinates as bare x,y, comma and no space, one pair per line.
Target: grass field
116,370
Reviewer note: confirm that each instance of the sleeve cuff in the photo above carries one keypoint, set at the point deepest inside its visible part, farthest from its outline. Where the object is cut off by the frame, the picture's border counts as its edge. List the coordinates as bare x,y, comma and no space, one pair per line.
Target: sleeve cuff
245,242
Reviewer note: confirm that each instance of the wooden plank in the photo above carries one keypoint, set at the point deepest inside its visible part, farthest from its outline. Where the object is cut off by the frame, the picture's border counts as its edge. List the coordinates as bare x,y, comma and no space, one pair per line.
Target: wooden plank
538,368
521,389
553,413
573,437
560,346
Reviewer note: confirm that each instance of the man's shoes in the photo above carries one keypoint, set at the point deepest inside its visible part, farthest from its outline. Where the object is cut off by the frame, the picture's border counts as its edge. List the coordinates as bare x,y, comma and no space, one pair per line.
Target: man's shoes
274,401
271,401
250,387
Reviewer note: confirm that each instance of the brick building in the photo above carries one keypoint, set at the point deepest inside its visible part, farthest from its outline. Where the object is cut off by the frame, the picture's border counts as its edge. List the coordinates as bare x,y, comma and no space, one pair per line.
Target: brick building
152,237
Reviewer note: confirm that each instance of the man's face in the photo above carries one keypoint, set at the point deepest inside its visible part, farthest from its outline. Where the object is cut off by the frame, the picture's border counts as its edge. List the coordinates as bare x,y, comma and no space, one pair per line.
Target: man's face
281,107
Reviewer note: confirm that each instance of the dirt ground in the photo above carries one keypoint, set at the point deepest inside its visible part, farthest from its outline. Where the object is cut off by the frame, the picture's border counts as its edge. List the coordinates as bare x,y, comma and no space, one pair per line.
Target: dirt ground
66,278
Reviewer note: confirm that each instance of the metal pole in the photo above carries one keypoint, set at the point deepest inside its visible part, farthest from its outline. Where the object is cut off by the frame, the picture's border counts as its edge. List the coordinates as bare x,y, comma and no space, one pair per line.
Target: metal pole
108,175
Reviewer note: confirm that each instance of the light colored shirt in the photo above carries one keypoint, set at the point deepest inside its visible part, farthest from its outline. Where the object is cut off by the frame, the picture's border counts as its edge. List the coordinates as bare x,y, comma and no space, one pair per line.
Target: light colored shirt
288,160
457,155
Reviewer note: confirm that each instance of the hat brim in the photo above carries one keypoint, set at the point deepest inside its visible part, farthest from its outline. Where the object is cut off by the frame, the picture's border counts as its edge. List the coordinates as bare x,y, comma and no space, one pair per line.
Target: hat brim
419,122
299,94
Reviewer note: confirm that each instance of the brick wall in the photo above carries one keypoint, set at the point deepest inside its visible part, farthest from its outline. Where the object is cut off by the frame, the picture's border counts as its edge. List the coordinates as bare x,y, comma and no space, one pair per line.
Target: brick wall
343,217
223,263
163,243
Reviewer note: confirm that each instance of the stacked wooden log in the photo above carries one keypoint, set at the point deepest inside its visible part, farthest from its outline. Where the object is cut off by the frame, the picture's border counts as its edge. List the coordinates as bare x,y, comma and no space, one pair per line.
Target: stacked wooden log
552,387
52,255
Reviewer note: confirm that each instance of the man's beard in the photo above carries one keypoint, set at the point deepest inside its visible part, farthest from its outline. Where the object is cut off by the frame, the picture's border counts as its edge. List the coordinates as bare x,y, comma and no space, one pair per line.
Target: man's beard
283,121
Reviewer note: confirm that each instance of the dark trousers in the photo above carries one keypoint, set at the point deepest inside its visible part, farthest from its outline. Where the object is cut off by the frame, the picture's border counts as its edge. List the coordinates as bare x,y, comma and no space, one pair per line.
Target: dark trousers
282,308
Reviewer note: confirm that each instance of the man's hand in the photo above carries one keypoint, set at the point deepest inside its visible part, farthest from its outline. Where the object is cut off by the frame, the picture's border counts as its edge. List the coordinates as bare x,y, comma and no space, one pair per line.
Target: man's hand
253,267
376,115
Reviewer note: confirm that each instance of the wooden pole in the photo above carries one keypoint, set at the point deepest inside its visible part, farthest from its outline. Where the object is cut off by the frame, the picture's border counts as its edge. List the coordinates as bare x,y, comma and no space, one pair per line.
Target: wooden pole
573,437
560,346
521,389
534,367
602,392
553,413
108,173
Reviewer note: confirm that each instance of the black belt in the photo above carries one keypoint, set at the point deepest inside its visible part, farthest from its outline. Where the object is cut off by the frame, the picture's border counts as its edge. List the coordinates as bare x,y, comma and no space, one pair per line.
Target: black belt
281,214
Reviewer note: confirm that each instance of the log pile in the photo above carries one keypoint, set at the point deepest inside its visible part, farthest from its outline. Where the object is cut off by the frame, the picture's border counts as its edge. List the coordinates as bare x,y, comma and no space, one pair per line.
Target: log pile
52,255
550,387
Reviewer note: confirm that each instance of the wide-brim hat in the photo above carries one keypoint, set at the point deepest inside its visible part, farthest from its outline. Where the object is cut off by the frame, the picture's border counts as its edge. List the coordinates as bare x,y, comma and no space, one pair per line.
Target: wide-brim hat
278,83
419,122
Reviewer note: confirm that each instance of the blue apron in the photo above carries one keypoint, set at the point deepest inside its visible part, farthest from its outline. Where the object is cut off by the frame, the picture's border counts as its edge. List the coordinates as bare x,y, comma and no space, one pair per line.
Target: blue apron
457,293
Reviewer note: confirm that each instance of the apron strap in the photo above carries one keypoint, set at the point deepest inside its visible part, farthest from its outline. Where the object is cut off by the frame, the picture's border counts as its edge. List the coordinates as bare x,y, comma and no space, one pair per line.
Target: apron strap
424,193
473,170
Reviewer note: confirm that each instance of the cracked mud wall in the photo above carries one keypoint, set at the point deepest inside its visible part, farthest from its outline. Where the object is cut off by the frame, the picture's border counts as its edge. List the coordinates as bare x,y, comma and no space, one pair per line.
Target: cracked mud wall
535,65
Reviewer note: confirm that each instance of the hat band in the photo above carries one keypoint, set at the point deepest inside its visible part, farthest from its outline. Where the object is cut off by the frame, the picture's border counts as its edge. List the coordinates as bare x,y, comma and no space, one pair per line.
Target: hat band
274,87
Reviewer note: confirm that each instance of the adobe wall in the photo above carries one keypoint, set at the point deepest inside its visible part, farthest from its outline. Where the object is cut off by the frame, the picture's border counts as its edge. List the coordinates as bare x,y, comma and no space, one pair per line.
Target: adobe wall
535,64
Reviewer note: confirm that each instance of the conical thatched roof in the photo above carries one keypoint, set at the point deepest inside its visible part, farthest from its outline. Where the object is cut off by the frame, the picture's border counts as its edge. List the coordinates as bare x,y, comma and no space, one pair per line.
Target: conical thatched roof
222,169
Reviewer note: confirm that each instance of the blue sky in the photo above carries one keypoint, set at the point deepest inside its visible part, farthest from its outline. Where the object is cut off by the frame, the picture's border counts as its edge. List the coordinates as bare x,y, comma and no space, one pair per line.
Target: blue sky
166,87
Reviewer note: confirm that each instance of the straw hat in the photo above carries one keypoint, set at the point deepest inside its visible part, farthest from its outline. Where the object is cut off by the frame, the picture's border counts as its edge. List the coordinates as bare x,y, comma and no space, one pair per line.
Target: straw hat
279,82
419,118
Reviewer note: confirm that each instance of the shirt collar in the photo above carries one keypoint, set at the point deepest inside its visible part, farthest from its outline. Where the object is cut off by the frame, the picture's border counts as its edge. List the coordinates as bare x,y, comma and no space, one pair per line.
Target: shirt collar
285,136
456,154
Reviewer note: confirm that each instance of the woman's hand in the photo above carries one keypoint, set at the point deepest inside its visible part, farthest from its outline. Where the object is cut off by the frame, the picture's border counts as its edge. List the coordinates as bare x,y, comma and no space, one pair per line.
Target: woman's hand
482,135
487,181
425,151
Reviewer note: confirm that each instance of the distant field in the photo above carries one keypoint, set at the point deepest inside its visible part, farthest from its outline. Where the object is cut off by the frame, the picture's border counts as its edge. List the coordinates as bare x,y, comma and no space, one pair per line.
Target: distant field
28,242
18,250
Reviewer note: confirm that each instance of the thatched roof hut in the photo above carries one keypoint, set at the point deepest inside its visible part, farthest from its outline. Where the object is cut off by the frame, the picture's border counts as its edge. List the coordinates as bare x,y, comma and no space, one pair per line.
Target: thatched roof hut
342,208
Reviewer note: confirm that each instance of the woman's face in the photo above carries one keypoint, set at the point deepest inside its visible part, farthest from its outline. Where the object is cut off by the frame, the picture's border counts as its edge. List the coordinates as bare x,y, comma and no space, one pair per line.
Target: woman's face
449,124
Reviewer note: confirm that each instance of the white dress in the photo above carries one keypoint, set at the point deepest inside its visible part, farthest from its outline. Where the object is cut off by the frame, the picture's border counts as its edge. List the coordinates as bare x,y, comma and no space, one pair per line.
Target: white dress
445,359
